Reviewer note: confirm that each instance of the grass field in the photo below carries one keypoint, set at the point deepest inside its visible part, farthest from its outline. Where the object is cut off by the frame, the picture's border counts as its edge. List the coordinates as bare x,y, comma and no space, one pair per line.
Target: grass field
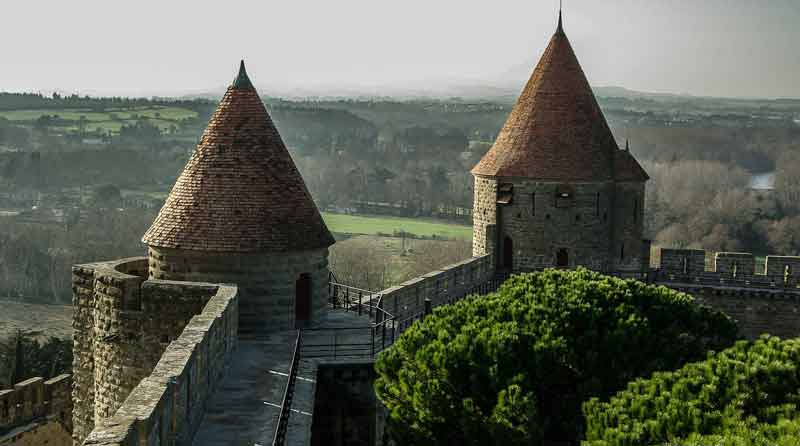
108,120
42,321
359,224
74,114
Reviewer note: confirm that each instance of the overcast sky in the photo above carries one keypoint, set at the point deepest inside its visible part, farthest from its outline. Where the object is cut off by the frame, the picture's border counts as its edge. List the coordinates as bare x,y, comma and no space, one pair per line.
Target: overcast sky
739,48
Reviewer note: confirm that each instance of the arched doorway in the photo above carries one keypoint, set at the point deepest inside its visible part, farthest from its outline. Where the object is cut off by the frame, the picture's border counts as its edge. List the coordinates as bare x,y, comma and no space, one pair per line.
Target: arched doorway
508,253
302,300
562,258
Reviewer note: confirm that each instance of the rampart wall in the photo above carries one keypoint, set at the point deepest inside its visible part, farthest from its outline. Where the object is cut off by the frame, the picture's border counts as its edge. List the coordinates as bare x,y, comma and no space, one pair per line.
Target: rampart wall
442,286
37,411
166,407
122,324
765,301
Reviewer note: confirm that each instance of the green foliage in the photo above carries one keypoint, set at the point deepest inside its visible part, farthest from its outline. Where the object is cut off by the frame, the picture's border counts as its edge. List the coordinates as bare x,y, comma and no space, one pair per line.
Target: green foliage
745,395
782,433
516,364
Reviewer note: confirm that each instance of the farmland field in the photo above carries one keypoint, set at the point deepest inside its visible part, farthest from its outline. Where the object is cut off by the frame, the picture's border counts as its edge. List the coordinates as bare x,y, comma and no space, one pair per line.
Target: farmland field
40,320
108,120
74,114
370,225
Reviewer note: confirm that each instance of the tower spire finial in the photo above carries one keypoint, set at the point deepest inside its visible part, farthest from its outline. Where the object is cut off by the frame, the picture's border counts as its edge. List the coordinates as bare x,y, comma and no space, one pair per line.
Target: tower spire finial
627,145
242,80
560,28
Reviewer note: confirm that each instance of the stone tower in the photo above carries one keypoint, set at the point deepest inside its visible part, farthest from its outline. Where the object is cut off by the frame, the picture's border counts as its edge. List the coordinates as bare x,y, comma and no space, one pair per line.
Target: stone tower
240,213
555,190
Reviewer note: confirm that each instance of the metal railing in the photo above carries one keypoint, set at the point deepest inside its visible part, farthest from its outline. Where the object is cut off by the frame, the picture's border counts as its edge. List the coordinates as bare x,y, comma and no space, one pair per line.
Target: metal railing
355,342
355,299
288,394
348,342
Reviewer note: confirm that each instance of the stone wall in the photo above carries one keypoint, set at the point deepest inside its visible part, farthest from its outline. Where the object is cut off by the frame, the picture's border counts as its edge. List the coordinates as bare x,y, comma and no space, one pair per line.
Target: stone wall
540,224
682,262
690,265
756,311
442,286
735,265
167,406
266,281
783,269
766,301
631,253
36,412
484,216
122,324
595,225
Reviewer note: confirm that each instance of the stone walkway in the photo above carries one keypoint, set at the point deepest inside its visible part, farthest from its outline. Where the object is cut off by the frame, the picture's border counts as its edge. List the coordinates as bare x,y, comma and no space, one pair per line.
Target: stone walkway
244,409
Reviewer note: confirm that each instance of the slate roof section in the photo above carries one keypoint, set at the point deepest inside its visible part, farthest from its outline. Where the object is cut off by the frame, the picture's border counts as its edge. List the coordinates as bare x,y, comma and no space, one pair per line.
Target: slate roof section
240,190
556,130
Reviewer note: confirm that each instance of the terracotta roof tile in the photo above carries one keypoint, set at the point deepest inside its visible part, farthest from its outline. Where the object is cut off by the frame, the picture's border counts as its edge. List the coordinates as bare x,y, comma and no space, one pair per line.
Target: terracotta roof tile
240,190
556,130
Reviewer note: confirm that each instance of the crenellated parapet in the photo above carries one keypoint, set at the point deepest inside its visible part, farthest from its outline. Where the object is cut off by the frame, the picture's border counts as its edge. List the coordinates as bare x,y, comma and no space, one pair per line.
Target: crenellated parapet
36,411
761,300
732,268
166,407
123,323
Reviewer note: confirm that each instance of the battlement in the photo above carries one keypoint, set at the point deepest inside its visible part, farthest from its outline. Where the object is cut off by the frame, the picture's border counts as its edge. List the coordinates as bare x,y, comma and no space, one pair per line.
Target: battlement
33,400
765,301
167,406
123,323
730,268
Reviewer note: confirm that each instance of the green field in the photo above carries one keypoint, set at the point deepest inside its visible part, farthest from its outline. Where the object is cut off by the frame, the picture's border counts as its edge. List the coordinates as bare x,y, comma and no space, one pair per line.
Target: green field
74,114
108,120
357,224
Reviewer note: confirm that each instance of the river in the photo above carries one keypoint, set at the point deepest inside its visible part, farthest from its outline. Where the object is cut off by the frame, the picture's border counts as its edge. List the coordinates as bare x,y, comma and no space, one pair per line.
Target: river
763,181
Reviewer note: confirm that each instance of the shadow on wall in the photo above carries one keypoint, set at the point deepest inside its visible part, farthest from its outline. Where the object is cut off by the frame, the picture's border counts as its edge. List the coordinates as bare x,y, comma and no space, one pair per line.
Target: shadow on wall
31,410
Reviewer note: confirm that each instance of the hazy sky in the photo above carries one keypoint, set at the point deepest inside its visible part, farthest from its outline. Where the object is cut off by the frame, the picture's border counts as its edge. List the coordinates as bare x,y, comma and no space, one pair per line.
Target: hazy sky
712,47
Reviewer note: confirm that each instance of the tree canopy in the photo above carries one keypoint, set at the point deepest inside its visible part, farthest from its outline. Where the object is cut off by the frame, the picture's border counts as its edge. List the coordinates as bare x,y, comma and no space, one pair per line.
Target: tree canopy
514,366
745,395
22,357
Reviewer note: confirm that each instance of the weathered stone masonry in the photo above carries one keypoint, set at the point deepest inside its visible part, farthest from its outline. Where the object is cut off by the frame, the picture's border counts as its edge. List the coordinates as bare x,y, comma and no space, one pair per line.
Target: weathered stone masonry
442,286
266,281
166,407
122,325
765,301
36,412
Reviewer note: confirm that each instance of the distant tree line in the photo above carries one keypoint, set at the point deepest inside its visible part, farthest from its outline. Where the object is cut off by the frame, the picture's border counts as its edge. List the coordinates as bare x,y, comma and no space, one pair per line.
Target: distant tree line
23,356
709,205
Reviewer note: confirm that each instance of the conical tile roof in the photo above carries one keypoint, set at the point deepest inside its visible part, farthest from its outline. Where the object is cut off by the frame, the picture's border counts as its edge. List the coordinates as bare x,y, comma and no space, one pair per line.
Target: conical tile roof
240,190
556,130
